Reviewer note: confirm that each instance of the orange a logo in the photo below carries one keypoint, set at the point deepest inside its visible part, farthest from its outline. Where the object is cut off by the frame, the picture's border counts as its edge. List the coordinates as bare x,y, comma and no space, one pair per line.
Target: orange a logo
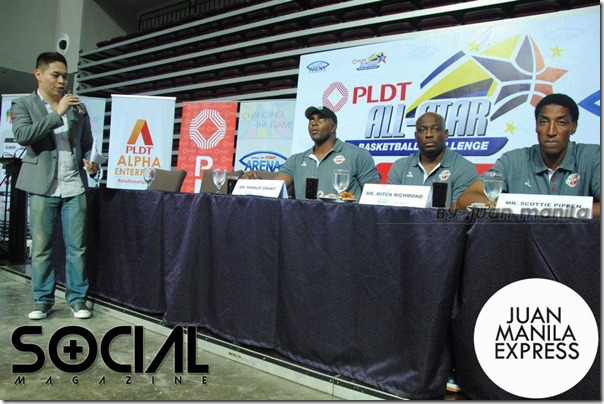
141,128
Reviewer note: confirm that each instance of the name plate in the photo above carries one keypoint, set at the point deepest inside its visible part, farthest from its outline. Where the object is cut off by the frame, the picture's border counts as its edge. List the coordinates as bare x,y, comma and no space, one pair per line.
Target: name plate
270,188
415,196
579,207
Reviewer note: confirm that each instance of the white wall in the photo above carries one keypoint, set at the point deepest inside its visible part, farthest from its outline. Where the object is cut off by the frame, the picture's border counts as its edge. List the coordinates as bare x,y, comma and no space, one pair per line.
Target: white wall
69,22
102,23
28,29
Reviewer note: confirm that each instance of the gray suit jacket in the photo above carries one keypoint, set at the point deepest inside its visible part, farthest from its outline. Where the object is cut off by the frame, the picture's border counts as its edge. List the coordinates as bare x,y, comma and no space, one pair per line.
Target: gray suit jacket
33,127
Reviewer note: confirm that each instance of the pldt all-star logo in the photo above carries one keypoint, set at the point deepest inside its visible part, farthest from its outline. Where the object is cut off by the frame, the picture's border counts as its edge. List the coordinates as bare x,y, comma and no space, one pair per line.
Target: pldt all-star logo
508,73
503,77
263,160
372,62
470,89
74,350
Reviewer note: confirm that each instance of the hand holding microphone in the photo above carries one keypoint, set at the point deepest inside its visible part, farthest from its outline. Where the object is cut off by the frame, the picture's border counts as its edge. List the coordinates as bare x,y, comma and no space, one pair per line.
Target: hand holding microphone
70,100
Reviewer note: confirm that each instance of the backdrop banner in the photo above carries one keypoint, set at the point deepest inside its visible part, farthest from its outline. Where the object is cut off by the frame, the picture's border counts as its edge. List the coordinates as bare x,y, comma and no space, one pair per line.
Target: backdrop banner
95,107
141,135
207,140
9,147
485,79
264,134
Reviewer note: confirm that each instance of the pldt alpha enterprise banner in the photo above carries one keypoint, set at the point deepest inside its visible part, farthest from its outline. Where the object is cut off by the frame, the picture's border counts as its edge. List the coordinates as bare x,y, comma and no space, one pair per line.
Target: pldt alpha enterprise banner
484,79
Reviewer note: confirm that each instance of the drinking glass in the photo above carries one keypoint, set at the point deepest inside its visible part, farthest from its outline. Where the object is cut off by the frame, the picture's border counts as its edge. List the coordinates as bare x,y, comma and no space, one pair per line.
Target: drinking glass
219,176
341,179
148,175
493,185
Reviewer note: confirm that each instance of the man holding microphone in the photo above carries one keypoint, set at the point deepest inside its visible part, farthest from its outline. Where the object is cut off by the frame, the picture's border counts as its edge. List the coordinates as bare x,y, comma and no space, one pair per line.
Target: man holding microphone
58,137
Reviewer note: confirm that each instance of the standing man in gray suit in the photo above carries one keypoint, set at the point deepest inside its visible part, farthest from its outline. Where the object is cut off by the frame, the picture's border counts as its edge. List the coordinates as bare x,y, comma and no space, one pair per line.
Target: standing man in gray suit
56,130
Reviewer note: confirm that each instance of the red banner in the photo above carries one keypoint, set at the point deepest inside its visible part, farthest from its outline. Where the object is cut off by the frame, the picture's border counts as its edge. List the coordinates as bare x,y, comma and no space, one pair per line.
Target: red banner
207,140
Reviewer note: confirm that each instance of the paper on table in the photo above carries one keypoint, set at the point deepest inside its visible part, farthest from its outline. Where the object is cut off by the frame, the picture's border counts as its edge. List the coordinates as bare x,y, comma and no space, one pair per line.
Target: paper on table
95,156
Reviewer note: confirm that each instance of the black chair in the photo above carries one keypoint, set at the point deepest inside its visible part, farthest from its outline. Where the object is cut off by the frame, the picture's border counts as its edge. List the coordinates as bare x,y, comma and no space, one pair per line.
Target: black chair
401,27
230,56
288,8
260,68
259,50
259,15
168,180
280,84
233,22
397,7
484,15
231,73
323,39
286,28
536,7
225,92
284,46
436,3
582,3
356,34
253,88
257,34
285,64
437,22
359,14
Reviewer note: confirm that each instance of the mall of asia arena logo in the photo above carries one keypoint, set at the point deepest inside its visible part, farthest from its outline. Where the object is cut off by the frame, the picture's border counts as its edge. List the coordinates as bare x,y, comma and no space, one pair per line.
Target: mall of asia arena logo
317,67
262,160
81,349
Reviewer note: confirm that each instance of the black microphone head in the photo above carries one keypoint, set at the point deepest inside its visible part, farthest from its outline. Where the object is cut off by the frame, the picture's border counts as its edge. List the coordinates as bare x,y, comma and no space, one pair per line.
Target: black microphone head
80,110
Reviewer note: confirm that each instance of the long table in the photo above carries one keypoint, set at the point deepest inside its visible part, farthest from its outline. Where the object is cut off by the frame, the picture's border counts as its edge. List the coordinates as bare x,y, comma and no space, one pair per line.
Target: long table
382,295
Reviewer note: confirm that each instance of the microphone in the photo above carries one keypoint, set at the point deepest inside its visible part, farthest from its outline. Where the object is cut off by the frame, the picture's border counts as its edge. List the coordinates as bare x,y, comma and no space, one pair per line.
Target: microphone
78,108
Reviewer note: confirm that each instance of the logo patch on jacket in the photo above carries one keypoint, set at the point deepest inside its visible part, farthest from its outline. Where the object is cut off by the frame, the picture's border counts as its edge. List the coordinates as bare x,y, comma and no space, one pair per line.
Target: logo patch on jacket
572,180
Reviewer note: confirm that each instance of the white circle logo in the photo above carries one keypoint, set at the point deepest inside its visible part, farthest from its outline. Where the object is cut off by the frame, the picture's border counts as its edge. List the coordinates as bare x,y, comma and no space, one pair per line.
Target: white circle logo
444,175
339,159
536,338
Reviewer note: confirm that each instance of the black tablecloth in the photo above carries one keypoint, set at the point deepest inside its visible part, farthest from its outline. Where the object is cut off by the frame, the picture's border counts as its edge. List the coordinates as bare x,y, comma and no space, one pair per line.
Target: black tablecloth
502,252
221,265
365,292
